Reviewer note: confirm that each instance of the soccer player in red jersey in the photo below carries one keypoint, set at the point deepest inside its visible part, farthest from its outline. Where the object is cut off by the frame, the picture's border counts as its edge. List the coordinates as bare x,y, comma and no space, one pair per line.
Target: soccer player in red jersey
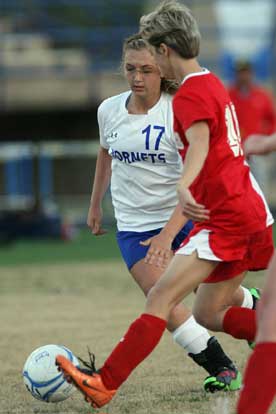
254,105
256,115
150,229
233,225
261,363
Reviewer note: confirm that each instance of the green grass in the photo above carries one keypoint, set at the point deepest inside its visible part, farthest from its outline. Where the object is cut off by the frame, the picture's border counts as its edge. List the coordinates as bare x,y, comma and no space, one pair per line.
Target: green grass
84,247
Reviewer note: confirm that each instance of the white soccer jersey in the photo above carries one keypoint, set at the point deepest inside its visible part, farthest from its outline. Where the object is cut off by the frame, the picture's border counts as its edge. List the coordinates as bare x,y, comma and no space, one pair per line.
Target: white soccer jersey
145,162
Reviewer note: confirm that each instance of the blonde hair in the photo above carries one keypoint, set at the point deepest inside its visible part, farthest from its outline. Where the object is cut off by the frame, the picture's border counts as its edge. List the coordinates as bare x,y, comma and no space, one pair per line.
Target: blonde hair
172,23
137,42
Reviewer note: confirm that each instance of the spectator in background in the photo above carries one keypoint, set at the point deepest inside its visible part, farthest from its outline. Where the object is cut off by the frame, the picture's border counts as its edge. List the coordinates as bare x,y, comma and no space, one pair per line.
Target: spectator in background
254,105
255,111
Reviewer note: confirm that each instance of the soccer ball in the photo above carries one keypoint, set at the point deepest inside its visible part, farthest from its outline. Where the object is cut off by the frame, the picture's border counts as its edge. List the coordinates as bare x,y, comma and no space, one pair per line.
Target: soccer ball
41,376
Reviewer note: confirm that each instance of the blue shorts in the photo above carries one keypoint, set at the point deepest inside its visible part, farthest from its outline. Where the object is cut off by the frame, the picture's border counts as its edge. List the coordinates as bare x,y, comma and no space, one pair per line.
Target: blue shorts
131,249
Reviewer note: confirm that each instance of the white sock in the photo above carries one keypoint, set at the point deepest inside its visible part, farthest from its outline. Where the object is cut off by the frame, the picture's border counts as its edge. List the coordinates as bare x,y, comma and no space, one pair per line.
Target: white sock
247,300
191,336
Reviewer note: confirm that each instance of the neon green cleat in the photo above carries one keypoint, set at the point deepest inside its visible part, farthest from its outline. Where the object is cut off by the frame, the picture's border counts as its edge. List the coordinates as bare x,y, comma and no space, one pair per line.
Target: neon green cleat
256,295
226,380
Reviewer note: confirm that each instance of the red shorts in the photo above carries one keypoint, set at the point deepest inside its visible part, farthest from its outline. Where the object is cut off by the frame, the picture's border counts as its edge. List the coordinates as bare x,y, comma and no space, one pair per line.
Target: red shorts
235,254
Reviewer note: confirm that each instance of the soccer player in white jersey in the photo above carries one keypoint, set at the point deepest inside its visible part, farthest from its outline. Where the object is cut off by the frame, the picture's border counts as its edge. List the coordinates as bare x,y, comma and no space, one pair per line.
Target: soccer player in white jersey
139,151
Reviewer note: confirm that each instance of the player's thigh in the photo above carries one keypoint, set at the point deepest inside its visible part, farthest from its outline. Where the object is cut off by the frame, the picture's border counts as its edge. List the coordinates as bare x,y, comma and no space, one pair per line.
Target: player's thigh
181,277
146,275
269,290
266,331
212,299
266,309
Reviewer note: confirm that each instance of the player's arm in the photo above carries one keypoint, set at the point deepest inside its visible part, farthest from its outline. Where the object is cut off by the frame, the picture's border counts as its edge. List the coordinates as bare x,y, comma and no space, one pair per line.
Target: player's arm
270,116
198,136
100,186
160,250
175,223
260,145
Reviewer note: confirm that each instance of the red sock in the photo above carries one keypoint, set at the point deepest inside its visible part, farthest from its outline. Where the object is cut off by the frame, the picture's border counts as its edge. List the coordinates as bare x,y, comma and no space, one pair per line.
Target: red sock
141,338
240,323
259,380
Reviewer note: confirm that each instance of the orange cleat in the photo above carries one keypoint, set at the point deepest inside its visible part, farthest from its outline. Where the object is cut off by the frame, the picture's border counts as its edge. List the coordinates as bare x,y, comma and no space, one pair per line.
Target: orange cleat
91,386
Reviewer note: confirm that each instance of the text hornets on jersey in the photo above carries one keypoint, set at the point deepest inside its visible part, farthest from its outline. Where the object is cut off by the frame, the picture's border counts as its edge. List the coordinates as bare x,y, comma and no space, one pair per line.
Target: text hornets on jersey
130,157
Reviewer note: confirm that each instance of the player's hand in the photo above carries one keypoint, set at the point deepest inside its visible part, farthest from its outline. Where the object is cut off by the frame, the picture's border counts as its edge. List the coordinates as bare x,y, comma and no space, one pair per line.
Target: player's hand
160,251
255,145
191,209
94,221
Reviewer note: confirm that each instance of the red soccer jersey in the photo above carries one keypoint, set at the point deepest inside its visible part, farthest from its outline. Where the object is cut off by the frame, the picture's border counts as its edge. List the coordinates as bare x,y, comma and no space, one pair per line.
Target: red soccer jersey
255,111
224,185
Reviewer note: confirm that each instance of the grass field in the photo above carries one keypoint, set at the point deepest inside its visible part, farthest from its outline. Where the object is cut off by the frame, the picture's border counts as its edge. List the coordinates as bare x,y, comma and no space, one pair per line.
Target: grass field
89,299
84,247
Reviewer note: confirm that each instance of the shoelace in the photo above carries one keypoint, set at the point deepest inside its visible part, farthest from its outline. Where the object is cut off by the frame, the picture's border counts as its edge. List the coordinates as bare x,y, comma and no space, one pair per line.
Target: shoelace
91,364
90,370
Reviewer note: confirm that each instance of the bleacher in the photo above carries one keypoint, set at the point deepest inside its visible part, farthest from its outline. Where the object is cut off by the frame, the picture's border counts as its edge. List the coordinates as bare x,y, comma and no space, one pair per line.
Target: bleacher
68,52
54,53
59,59
97,27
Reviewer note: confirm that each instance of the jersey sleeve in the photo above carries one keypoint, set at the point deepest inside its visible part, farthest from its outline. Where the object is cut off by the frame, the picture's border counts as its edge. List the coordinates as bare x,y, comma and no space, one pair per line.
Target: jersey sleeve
101,124
191,108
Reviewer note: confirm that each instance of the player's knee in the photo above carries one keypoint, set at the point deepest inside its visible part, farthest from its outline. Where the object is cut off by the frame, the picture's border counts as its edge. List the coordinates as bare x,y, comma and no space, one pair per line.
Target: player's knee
267,328
157,299
204,319
266,316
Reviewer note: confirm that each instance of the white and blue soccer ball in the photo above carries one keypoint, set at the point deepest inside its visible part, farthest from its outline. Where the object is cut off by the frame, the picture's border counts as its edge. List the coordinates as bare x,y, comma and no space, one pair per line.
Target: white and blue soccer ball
41,376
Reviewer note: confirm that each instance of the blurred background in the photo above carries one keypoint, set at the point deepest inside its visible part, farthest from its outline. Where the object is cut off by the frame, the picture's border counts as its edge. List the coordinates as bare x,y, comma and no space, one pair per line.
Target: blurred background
58,60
